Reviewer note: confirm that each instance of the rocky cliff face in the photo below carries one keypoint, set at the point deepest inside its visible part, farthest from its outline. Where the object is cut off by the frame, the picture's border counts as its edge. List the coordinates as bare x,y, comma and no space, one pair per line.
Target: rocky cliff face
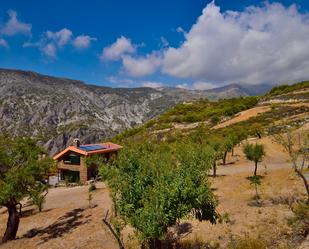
56,110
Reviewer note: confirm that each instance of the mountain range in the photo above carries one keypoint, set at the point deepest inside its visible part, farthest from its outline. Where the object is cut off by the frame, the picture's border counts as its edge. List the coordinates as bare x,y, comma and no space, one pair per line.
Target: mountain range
56,110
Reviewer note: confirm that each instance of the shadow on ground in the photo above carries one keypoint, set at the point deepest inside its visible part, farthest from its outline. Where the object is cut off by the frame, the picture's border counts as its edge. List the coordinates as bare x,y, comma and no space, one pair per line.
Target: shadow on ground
64,224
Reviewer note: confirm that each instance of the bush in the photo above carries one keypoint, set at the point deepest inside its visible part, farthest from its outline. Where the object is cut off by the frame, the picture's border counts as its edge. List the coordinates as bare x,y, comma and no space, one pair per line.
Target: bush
278,90
215,119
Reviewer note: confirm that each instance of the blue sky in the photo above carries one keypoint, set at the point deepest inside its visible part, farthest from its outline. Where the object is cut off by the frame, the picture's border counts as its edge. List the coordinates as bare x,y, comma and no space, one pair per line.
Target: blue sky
185,43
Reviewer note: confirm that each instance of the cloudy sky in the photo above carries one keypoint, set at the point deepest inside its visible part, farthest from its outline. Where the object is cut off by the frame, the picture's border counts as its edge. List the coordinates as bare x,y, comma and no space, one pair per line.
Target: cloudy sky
186,43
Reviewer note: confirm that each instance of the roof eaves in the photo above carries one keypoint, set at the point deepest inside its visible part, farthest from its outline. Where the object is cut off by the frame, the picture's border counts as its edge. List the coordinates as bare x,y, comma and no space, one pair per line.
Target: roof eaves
70,148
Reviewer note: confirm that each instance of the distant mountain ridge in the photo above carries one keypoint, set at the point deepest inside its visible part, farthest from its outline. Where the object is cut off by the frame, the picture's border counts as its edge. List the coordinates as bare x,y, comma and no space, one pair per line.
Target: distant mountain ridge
55,110
236,90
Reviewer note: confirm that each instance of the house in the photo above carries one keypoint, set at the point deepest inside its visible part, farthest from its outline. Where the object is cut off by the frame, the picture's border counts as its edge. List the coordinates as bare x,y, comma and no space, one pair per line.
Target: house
71,162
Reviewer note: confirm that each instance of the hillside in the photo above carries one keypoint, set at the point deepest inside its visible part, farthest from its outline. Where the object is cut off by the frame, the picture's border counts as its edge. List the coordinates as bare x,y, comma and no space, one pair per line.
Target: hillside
273,220
282,106
55,110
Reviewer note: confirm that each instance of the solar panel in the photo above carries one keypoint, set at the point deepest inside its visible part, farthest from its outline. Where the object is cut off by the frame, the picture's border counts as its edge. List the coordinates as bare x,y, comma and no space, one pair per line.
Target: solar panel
92,147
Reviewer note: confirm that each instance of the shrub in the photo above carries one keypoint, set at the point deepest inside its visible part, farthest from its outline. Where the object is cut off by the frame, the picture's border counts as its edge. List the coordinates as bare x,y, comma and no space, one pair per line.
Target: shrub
38,196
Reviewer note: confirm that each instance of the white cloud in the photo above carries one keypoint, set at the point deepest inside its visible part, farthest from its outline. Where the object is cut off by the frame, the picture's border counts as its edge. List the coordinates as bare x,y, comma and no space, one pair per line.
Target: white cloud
51,42
180,30
3,43
49,50
164,42
183,86
61,38
264,44
83,41
119,81
152,84
13,26
115,51
141,66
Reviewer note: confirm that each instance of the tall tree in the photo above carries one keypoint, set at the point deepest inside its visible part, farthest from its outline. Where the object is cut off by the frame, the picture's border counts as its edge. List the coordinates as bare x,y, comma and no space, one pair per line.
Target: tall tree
153,186
255,153
21,169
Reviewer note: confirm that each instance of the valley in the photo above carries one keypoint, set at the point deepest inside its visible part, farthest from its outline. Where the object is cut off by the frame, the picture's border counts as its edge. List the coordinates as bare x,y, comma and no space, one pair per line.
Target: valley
275,219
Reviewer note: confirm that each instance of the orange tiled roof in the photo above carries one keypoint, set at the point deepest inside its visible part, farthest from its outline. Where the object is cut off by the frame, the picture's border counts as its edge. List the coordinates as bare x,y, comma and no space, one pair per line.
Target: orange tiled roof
108,147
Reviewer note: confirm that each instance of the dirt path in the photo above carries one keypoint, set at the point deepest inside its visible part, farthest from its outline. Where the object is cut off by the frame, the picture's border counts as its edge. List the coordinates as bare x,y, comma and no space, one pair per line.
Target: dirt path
66,221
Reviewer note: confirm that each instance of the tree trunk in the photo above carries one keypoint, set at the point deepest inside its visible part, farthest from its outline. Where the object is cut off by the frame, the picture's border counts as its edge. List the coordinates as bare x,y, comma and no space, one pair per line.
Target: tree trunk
117,236
258,134
12,223
214,169
255,168
155,244
305,182
233,151
224,158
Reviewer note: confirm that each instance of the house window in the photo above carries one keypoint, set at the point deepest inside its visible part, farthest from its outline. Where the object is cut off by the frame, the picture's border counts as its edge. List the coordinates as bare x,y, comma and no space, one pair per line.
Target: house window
72,159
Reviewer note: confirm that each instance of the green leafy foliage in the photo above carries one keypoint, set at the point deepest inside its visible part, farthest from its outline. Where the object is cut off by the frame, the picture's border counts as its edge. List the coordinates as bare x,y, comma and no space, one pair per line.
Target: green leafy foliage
204,109
255,153
22,168
38,195
153,186
283,89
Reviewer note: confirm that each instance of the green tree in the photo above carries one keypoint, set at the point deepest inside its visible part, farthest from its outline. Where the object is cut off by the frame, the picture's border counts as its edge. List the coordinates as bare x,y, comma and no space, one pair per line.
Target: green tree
38,194
227,145
256,181
255,153
21,169
153,186
216,145
257,129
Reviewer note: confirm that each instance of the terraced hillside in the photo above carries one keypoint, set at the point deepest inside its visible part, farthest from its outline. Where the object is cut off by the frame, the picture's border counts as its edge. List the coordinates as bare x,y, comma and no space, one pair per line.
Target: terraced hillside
283,106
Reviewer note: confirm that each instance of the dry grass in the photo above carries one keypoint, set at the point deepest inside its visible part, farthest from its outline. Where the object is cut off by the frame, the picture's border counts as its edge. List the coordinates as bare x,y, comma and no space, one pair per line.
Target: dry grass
67,222
268,221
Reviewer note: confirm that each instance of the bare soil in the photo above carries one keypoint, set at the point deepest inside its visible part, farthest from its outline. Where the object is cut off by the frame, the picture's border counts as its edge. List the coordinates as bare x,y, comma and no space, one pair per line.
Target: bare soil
68,222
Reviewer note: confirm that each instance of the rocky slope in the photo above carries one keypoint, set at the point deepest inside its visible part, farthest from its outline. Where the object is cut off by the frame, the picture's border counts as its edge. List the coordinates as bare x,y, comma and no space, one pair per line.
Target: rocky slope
55,110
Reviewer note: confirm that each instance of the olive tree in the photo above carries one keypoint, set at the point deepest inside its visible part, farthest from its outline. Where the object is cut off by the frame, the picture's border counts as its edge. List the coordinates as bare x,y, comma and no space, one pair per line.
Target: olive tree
227,145
21,169
154,186
255,153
